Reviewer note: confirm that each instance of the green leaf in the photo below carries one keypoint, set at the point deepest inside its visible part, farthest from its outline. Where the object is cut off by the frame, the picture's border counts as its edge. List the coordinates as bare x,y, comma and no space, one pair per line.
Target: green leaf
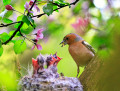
5,20
13,41
48,9
6,2
4,37
8,13
61,1
19,18
32,22
55,7
16,25
77,8
1,51
68,5
11,33
0,43
57,2
30,19
26,20
28,30
25,26
19,46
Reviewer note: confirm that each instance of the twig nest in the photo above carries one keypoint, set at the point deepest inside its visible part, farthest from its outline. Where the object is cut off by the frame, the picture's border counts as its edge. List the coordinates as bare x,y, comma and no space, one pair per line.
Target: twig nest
48,79
51,84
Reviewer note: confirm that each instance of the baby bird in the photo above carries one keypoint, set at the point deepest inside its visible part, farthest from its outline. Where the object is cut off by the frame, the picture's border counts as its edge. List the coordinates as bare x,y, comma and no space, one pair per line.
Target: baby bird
80,50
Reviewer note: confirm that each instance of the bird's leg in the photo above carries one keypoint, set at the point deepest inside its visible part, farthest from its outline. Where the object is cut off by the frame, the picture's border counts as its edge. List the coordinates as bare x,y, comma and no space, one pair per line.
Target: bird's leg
78,71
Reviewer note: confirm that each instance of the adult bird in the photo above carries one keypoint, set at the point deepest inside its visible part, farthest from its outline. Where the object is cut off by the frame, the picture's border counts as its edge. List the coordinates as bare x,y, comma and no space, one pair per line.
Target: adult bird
80,50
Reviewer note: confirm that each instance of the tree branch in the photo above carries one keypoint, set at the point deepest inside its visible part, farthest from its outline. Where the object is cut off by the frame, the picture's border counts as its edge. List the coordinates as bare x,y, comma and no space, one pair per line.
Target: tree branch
57,4
56,9
14,33
5,25
18,29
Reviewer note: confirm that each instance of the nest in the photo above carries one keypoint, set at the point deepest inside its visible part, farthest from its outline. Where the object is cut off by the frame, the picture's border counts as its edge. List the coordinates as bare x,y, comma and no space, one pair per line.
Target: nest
48,79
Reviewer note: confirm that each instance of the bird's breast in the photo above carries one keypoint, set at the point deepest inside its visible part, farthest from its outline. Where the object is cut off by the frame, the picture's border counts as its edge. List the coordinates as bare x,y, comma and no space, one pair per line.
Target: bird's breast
80,53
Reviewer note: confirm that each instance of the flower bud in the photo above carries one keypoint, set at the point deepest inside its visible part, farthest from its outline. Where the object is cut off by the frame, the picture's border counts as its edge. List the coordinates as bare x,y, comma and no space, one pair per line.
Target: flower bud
9,7
31,2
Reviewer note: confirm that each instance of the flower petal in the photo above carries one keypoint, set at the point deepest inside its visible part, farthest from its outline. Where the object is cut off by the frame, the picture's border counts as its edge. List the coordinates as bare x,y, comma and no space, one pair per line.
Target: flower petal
39,47
75,26
33,47
37,8
30,11
40,30
26,5
40,36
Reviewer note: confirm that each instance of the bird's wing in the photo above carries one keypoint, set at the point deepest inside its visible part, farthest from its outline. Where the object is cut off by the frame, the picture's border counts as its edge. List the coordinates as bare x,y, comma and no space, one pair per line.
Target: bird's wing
88,46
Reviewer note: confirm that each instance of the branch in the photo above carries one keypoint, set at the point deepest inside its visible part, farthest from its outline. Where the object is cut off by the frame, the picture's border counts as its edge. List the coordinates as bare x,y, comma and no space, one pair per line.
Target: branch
57,4
13,34
18,29
5,25
55,9
26,37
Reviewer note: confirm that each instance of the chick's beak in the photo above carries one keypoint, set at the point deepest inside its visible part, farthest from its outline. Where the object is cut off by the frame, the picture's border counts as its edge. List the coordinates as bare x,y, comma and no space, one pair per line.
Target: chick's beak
63,43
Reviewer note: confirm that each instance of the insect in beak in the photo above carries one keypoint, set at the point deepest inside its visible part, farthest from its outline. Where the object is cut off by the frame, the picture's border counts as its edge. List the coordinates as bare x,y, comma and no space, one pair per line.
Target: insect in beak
63,43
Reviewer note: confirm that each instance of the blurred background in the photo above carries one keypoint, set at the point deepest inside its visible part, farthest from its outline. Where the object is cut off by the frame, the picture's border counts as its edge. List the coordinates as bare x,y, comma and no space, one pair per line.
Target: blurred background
97,21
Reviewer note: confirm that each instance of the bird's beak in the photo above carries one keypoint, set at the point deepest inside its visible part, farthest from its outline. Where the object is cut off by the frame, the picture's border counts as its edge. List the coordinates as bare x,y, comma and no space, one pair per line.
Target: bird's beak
63,43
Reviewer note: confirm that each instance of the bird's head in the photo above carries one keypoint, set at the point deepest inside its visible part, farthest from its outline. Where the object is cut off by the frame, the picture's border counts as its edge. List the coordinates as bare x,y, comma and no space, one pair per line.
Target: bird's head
70,38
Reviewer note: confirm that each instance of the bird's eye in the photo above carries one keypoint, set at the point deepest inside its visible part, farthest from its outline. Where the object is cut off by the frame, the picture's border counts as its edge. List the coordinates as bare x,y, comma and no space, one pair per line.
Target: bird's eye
67,38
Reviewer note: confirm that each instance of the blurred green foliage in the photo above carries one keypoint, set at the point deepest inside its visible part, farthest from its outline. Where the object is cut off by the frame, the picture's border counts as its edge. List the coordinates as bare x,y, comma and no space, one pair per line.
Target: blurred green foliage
102,31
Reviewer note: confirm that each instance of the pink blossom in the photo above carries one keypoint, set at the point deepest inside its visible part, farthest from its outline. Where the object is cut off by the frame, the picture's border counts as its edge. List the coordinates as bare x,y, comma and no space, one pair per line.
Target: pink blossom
39,34
39,47
80,25
26,6
33,47
37,8
9,7
31,3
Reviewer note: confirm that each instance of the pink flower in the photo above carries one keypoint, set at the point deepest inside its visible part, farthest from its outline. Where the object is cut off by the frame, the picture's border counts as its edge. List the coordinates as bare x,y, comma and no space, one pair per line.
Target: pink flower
39,47
26,6
80,25
31,3
39,34
9,7
35,6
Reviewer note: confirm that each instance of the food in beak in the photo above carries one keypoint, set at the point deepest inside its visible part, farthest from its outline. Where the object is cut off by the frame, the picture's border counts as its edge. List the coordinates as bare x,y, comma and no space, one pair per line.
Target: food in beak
63,43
